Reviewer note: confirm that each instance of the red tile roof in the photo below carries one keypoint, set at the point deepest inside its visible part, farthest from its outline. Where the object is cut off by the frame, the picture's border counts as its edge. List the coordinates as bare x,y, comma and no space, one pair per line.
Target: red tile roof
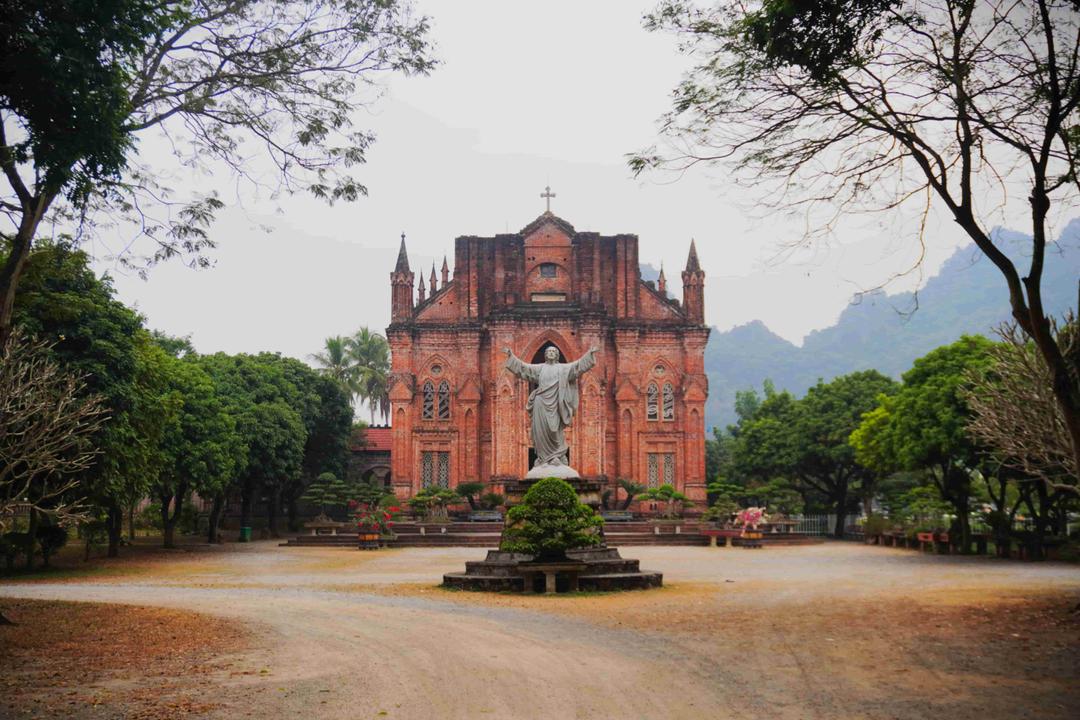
377,439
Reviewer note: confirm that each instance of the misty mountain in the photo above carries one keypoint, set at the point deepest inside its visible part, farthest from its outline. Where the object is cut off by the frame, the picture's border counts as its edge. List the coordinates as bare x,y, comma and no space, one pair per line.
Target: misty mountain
887,332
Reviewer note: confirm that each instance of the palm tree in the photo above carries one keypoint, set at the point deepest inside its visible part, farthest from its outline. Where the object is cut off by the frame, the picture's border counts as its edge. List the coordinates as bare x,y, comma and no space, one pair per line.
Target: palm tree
336,362
370,355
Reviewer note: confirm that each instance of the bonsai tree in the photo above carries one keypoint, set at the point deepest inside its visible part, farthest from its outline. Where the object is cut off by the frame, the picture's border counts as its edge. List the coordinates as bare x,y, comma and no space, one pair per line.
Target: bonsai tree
549,521
470,491
722,510
490,501
673,500
325,491
432,503
632,489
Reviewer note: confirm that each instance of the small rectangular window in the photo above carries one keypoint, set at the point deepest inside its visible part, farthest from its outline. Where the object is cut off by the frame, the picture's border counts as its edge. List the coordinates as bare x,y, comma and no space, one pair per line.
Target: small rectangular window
549,297
547,270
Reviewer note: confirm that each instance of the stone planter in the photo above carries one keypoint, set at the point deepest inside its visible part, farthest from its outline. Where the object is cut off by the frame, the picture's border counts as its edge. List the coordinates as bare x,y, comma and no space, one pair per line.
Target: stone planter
368,540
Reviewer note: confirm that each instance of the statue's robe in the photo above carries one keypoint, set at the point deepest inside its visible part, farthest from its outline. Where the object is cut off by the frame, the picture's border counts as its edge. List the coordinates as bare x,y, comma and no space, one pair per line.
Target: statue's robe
552,404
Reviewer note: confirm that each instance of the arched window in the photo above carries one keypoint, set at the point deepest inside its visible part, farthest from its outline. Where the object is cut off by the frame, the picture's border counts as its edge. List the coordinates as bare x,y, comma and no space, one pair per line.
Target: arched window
429,401
669,402
444,400
652,411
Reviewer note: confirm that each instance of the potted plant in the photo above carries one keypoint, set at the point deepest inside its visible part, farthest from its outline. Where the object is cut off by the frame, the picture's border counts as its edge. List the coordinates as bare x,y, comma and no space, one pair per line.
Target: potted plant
749,519
549,521
373,523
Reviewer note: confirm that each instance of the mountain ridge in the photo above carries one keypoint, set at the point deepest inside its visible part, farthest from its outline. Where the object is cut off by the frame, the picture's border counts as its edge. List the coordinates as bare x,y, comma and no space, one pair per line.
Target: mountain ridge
886,332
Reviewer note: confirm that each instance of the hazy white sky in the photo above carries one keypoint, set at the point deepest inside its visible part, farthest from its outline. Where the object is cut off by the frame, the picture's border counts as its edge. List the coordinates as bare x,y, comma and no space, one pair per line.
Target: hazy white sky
529,94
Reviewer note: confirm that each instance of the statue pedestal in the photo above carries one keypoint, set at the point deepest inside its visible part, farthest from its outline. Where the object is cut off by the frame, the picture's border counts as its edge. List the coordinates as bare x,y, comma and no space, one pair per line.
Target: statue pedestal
563,472
588,492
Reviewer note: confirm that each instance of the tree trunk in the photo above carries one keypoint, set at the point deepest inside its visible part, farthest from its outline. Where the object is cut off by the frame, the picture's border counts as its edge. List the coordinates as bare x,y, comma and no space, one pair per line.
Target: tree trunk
115,525
215,518
963,521
273,510
246,501
33,209
293,513
131,522
31,538
841,511
169,520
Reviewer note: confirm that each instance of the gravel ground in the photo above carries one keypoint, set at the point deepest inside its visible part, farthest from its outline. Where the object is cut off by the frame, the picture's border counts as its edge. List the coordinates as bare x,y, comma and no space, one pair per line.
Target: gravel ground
837,630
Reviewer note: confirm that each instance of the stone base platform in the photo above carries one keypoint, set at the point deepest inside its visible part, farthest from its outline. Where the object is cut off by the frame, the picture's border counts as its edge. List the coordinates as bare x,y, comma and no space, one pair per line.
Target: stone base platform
603,569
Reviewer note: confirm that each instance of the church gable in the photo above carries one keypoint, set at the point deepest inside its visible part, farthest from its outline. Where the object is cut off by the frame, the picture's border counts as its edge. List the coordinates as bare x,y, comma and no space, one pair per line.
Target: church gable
549,261
654,307
441,306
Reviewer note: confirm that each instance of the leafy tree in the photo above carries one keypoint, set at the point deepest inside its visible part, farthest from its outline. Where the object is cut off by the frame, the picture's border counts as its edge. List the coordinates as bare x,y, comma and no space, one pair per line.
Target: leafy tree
85,79
96,336
923,427
328,422
806,440
201,446
260,398
275,456
878,104
549,521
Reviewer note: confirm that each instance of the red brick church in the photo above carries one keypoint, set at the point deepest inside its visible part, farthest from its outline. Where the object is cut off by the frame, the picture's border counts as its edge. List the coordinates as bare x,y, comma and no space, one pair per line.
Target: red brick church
458,416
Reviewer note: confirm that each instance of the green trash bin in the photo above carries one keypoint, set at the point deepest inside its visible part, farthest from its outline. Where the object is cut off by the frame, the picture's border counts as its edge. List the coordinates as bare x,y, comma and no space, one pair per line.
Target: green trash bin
245,534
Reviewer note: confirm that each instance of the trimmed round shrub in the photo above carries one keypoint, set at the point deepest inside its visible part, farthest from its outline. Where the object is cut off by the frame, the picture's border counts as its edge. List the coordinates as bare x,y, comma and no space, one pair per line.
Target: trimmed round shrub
549,521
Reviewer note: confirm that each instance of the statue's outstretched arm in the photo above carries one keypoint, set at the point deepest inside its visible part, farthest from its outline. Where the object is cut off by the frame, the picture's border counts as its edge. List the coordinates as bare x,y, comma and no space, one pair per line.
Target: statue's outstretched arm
584,363
522,370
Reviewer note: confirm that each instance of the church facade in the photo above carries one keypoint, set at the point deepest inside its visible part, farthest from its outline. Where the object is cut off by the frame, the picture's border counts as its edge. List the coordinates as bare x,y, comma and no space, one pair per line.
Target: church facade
458,416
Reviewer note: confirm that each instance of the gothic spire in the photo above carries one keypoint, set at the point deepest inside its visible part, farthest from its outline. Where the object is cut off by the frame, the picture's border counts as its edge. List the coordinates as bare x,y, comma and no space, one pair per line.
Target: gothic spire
421,289
661,282
445,271
433,278
692,264
402,257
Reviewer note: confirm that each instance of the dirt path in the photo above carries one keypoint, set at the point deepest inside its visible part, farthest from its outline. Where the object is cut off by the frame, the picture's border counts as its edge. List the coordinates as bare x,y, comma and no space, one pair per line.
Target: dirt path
837,631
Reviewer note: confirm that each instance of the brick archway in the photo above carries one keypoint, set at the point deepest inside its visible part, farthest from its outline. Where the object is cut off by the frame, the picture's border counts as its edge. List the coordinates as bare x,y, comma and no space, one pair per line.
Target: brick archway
570,350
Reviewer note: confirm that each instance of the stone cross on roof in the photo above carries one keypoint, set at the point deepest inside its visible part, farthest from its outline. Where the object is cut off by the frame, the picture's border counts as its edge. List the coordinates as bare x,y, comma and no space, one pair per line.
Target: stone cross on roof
547,195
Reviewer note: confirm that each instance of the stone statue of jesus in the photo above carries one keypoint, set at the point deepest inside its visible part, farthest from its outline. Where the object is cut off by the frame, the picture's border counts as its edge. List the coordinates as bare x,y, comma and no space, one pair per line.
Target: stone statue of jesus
551,407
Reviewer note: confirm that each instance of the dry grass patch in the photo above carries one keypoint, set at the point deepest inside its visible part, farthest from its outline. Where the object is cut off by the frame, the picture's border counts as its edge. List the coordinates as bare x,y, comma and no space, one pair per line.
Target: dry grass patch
92,660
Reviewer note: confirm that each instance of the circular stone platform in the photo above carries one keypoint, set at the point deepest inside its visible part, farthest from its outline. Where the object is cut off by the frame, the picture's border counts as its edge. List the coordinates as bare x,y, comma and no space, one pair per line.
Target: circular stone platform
604,569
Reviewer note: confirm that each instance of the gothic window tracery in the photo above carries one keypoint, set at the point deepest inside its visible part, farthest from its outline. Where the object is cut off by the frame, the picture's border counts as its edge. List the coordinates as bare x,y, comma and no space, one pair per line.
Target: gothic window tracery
669,402
652,411
444,400
429,401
